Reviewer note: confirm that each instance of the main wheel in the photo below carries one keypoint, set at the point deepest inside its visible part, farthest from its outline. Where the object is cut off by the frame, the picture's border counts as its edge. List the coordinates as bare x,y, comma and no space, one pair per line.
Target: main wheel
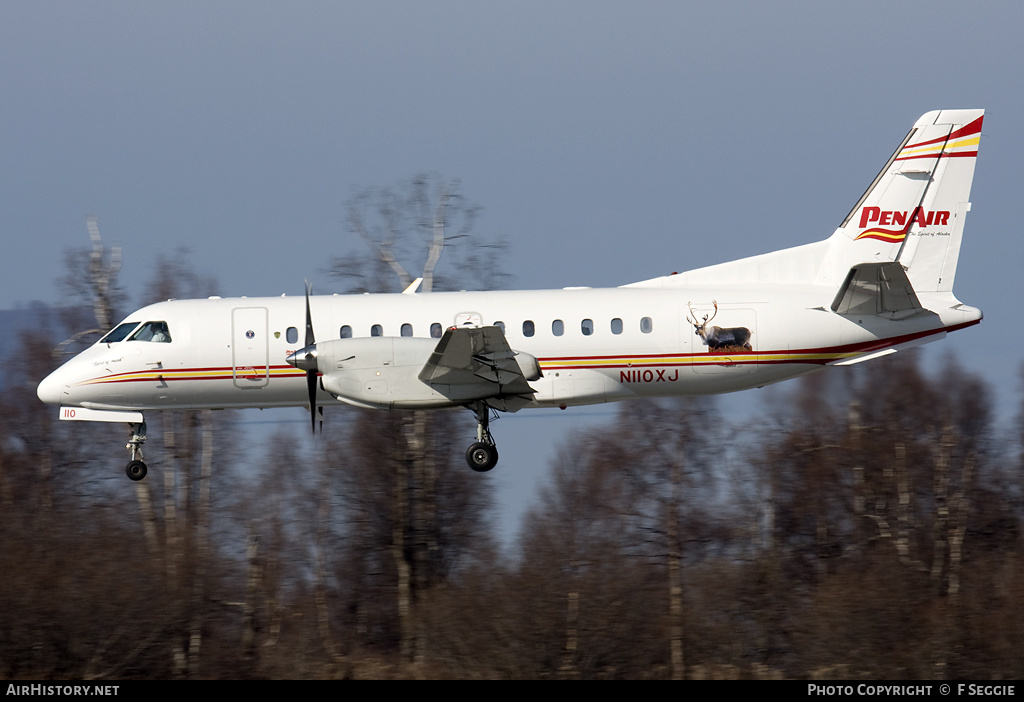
482,457
136,470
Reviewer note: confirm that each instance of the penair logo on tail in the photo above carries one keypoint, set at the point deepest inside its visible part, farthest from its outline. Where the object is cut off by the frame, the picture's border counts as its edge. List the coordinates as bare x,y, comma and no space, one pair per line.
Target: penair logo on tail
892,217
960,143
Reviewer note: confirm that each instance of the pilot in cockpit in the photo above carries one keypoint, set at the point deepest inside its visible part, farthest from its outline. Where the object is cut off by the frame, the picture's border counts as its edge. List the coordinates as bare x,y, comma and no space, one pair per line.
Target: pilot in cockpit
153,331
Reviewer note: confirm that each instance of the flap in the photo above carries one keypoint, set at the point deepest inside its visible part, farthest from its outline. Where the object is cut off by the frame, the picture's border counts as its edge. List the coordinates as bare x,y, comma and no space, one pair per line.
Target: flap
472,356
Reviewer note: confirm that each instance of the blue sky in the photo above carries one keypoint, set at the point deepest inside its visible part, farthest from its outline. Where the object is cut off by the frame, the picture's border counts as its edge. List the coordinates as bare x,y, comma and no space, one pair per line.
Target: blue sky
607,142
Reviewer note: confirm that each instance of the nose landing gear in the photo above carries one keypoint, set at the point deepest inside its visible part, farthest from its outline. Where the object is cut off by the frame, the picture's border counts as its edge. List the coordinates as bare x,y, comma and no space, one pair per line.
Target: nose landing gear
136,469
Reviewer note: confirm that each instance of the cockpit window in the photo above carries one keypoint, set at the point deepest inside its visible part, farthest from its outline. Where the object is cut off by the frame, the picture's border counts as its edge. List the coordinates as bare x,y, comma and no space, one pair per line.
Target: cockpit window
152,331
119,332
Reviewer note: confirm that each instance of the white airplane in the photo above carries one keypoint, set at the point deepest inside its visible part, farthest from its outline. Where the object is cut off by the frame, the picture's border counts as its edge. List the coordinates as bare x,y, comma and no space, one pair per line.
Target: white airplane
882,282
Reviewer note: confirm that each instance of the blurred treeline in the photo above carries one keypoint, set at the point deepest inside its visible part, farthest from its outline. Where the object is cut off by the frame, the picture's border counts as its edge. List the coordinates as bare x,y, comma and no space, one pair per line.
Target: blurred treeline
867,525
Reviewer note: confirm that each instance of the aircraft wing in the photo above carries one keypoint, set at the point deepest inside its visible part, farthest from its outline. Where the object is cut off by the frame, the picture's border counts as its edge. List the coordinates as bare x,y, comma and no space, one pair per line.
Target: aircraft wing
478,360
877,288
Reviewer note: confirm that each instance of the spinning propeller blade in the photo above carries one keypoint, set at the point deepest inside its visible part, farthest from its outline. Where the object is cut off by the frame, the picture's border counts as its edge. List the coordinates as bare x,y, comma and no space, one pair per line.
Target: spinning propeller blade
311,371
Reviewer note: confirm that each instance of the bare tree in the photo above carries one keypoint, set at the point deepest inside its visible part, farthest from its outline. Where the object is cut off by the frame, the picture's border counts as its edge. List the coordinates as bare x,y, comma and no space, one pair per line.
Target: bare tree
189,438
94,278
610,536
406,229
871,507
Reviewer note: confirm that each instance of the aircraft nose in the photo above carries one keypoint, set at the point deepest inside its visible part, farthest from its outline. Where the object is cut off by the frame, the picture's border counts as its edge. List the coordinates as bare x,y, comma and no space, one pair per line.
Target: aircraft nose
52,390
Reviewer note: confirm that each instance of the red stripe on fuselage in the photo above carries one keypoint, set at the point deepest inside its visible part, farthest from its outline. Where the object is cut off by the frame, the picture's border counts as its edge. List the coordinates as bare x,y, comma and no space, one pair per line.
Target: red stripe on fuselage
580,362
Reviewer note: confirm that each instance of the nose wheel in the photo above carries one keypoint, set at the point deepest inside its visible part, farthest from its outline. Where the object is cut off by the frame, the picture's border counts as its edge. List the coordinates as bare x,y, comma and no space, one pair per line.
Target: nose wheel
136,469
482,455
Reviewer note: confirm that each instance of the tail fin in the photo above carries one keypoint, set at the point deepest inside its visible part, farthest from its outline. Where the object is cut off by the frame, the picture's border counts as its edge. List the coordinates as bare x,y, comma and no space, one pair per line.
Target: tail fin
912,213
914,210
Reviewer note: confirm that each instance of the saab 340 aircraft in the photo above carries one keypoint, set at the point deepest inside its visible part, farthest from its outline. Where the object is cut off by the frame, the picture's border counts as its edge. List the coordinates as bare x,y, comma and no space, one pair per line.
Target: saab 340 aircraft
882,282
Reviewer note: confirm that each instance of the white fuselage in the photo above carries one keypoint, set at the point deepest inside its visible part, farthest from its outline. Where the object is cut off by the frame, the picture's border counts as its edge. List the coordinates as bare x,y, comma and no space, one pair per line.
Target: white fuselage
593,345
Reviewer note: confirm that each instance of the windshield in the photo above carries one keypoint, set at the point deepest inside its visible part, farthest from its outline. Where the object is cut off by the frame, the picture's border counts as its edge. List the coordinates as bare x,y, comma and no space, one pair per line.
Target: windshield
152,331
119,332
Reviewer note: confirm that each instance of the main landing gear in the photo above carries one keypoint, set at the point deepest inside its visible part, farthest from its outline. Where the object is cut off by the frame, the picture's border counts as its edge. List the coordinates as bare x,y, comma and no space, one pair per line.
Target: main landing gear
483,454
136,469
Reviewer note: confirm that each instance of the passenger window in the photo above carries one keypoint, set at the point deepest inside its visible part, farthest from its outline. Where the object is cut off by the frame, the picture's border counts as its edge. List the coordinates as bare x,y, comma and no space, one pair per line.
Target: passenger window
646,325
346,332
152,331
616,326
376,330
557,327
587,327
501,326
406,329
528,328
435,330
292,335
119,332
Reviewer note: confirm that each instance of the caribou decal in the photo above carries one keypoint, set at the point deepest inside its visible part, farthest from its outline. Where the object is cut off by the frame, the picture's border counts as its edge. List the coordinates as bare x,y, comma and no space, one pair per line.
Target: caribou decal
722,339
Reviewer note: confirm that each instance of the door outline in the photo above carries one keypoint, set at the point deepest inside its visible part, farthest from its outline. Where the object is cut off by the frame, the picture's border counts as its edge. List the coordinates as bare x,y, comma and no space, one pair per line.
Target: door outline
250,348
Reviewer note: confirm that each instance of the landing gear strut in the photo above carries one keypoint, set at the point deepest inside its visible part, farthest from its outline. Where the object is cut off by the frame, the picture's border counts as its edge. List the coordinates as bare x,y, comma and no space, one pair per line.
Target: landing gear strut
136,469
483,454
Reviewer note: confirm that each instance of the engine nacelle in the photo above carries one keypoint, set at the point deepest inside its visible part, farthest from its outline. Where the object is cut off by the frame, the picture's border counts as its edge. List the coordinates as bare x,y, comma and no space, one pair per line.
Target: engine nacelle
378,372
529,365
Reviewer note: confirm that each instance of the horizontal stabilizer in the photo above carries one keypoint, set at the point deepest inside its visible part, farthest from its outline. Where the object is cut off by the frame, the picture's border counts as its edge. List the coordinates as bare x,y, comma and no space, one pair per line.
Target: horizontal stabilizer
864,357
879,289
910,344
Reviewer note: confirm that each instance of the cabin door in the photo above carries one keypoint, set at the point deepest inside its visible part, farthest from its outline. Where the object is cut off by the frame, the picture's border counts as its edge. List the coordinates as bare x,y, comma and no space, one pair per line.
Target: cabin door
250,349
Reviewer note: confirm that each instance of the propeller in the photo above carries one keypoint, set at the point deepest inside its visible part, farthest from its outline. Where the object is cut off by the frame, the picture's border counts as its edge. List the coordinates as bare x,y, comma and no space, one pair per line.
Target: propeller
305,358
